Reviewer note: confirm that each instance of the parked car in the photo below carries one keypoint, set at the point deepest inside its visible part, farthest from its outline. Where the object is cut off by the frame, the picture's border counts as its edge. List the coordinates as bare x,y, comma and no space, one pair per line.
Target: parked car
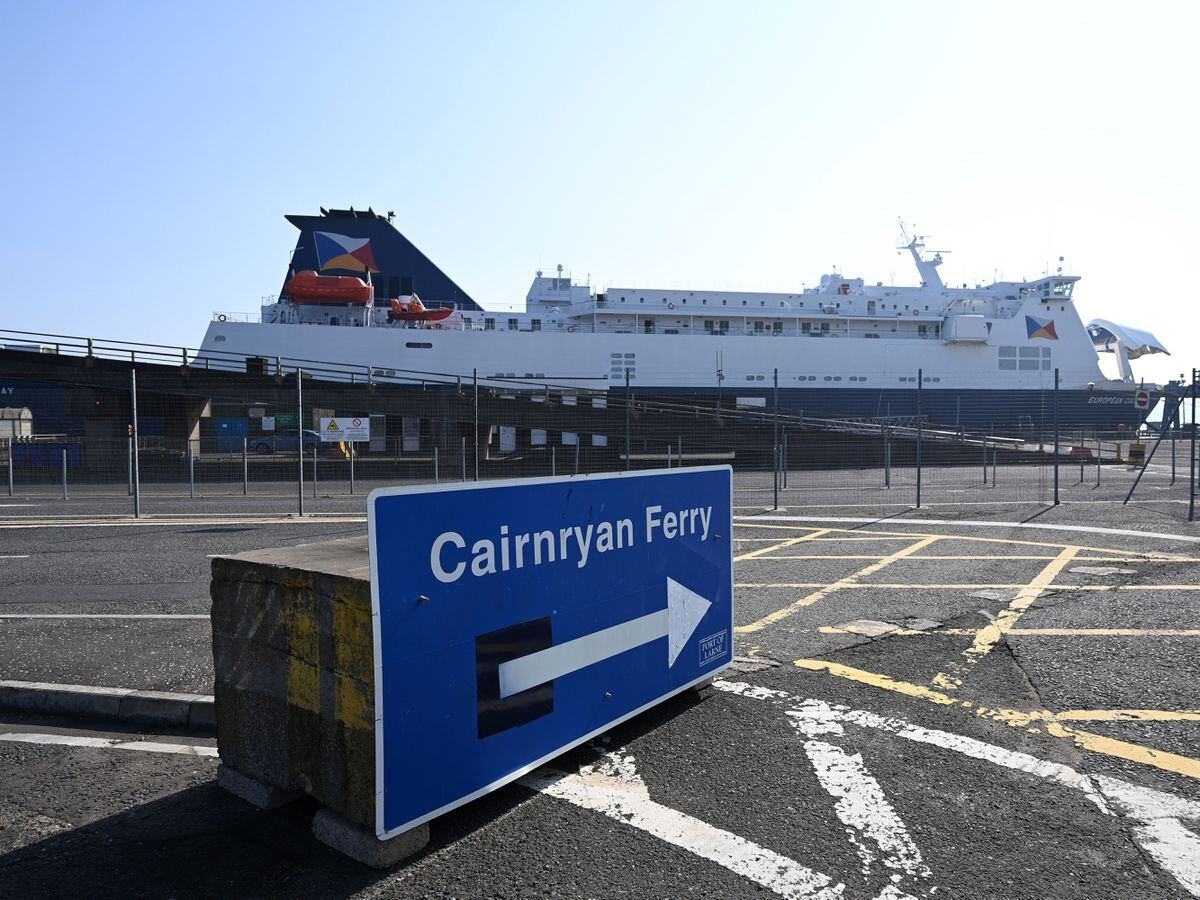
285,442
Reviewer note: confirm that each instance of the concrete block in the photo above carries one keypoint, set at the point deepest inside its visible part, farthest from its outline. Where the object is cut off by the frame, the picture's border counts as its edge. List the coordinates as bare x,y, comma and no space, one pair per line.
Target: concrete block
253,791
360,843
293,660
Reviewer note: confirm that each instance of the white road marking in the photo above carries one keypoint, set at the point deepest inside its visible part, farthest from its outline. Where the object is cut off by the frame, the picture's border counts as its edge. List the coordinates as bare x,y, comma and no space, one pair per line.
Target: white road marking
614,788
1160,815
77,740
889,520
17,556
865,811
103,616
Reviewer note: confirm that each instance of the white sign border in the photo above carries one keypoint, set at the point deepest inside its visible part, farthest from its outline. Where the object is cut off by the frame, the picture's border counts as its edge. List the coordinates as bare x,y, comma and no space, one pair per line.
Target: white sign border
380,832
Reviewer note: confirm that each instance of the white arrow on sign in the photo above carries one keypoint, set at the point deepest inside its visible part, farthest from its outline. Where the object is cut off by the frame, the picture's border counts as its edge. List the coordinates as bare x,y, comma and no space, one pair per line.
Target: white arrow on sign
685,609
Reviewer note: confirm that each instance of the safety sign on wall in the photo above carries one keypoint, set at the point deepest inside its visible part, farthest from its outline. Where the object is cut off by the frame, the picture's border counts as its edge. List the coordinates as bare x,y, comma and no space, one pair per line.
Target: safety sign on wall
345,428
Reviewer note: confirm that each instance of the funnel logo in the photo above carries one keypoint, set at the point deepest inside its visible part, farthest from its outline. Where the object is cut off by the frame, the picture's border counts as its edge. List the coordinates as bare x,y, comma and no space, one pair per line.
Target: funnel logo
1041,328
337,251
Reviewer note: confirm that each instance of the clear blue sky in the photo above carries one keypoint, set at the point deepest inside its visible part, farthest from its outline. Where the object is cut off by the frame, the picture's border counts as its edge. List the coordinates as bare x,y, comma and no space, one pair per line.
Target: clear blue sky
152,149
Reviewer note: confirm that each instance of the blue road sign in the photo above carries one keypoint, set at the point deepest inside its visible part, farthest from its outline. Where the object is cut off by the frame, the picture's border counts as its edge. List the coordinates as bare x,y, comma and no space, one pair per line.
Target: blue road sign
517,619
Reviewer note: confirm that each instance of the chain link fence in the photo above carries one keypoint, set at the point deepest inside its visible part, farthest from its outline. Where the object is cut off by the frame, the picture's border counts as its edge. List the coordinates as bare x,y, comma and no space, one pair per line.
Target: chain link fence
117,436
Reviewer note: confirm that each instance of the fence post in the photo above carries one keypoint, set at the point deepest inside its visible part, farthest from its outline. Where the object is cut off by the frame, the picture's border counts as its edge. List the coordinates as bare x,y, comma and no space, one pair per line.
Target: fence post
995,459
137,486
775,437
475,382
300,436
351,457
576,454
1099,450
553,460
314,471
1055,408
983,443
627,447
245,468
920,383
128,466
464,459
887,457
436,479
1192,453
786,466
679,453
10,467
1081,455
191,471
64,468
1174,428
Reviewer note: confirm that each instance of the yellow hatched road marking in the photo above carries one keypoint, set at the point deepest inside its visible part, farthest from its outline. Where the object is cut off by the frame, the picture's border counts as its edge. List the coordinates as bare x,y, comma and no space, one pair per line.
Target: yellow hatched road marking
1044,632
751,554
963,537
990,635
826,590
1169,762
1128,715
962,586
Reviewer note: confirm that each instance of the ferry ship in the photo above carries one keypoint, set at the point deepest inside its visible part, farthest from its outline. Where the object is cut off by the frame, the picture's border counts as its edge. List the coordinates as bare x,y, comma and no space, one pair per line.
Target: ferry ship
359,292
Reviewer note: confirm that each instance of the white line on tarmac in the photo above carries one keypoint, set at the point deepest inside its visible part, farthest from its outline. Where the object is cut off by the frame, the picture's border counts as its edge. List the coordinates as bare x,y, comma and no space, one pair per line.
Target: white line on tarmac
1161,832
76,740
865,810
889,520
614,788
104,616
16,556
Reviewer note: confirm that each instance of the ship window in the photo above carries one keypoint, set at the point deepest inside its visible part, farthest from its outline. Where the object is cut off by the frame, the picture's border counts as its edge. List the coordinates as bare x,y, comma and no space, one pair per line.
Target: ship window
535,324
806,327
1008,365
937,379
641,299
871,335
615,355
854,378
684,300
828,378
758,327
631,356
837,377
1045,352
760,377
704,302
762,302
1028,352
512,324
743,303
1008,351
219,339
709,325
777,328
749,377
1046,365
419,345
489,324
722,302
1027,365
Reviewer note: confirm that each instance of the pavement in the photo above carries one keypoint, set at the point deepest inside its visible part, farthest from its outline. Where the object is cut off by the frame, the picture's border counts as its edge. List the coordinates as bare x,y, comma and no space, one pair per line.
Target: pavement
958,701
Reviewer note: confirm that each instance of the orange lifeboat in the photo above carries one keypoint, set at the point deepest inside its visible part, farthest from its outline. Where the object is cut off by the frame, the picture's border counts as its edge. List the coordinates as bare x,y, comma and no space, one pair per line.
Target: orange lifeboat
309,287
416,311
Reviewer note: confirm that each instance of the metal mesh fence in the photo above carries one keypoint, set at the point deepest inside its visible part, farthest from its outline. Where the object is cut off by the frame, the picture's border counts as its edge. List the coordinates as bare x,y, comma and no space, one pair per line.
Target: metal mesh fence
251,441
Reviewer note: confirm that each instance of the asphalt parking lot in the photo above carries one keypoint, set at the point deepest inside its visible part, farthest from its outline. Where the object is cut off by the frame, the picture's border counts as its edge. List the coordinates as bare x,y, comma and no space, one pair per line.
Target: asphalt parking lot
931,704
